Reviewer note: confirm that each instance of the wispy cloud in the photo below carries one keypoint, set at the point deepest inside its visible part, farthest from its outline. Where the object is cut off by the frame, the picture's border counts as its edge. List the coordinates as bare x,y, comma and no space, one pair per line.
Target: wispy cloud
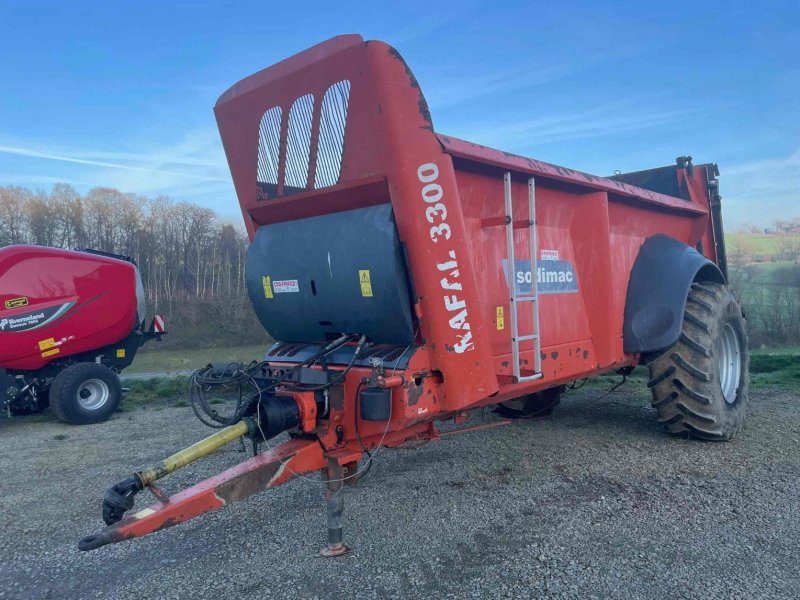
603,120
87,159
760,191
446,92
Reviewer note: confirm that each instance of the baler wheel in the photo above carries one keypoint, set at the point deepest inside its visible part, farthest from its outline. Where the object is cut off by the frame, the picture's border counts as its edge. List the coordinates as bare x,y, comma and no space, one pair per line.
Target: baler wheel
532,406
85,393
700,385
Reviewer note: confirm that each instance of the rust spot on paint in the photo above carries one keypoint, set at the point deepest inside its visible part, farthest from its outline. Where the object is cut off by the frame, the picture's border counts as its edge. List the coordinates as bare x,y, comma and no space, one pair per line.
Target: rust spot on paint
247,484
336,397
422,104
505,363
543,355
554,355
414,392
585,354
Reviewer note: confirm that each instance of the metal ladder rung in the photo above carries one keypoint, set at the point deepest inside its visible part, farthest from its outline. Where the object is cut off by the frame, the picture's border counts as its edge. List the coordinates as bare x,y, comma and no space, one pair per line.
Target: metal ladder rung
538,375
524,338
526,299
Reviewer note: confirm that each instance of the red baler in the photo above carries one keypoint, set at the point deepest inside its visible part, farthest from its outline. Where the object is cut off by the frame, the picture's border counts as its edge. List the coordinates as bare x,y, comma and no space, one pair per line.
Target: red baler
409,277
70,321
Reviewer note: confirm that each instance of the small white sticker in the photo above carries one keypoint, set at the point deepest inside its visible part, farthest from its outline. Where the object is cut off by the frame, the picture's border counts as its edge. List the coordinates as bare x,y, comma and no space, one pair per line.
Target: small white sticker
285,286
549,254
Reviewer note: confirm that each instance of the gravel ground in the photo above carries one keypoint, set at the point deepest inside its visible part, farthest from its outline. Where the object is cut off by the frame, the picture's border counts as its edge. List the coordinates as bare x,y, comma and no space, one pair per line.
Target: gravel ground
594,503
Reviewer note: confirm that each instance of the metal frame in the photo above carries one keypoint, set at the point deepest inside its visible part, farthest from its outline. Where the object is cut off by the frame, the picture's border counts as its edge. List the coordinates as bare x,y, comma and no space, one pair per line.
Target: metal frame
514,298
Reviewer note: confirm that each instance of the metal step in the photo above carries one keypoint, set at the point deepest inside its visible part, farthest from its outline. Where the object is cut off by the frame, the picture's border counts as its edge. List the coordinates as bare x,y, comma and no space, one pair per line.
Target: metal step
524,338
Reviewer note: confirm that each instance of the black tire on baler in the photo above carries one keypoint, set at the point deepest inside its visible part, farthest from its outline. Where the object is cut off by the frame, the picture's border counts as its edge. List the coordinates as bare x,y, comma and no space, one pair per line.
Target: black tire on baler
700,385
532,406
85,393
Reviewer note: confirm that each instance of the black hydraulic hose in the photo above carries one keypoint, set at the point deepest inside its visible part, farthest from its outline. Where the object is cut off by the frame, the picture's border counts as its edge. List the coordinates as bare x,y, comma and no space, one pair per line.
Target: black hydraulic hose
207,378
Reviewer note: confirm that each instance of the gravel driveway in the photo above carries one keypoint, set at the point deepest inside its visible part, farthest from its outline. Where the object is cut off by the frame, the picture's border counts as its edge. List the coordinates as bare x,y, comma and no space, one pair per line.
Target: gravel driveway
594,503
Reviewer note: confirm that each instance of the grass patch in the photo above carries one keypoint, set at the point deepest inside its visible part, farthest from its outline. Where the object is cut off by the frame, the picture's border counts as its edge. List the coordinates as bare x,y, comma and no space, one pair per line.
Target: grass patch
168,361
762,243
157,390
779,368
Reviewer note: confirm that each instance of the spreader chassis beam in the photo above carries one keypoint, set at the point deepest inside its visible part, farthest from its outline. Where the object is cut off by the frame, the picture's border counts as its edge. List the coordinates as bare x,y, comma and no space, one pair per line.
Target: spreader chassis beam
272,468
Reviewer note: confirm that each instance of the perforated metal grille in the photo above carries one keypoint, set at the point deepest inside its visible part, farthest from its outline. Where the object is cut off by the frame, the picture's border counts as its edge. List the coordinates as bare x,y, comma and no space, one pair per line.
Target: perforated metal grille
292,153
331,134
269,152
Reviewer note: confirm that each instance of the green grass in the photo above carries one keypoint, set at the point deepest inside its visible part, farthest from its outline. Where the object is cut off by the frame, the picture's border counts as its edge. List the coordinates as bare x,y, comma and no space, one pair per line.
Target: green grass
759,242
160,389
167,361
775,367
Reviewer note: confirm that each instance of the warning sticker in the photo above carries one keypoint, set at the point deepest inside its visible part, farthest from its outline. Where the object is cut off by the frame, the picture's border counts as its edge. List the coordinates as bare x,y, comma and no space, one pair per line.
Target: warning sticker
51,352
500,318
285,286
267,286
366,284
16,302
45,344
120,352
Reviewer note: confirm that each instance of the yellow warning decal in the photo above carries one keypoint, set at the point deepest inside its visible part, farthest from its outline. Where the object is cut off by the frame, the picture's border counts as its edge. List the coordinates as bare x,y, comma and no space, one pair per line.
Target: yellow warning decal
51,352
16,302
120,352
267,283
48,343
500,318
366,284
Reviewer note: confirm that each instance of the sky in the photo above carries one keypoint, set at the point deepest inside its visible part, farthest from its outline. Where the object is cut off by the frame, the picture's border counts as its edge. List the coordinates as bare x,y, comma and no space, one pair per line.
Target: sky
120,94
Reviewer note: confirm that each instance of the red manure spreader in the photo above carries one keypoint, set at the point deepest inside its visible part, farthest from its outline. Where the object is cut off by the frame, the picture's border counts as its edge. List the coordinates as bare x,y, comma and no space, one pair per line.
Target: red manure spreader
70,321
409,277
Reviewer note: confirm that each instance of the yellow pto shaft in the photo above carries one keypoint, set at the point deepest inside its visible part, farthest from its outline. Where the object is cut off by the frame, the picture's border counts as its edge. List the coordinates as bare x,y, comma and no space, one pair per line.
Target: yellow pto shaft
194,452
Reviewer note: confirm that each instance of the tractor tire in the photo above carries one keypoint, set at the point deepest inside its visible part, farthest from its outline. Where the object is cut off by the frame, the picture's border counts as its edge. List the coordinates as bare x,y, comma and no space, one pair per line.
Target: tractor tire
700,385
85,393
533,406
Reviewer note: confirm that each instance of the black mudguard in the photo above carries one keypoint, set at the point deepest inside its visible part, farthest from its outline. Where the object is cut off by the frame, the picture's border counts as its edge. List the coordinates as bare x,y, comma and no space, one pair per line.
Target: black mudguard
659,284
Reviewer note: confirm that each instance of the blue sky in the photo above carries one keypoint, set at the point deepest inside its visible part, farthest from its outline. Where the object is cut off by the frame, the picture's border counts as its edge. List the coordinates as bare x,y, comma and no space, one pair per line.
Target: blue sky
121,93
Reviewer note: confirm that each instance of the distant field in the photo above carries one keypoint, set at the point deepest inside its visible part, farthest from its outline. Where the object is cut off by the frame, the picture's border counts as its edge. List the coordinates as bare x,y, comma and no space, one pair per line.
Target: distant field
763,244
169,361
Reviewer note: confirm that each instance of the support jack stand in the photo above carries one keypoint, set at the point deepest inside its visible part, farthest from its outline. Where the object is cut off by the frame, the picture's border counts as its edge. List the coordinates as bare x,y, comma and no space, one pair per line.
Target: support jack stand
334,496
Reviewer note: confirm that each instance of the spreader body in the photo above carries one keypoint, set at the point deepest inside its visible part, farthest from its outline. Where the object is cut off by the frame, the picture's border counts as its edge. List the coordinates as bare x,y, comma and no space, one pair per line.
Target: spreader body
365,220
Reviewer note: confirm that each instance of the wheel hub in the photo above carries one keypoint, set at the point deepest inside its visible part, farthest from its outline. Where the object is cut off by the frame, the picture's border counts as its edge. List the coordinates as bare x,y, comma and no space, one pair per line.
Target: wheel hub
730,363
93,394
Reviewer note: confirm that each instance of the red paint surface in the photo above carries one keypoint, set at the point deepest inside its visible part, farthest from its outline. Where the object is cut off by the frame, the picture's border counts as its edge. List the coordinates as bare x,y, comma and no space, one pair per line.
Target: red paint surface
102,289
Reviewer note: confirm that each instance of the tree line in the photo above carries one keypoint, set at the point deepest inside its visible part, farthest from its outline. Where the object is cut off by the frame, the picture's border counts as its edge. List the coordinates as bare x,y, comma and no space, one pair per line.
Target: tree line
191,261
183,250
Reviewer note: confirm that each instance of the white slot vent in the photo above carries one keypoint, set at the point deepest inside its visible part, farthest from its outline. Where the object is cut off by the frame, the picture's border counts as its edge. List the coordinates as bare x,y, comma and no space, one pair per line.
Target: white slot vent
269,133
298,145
330,146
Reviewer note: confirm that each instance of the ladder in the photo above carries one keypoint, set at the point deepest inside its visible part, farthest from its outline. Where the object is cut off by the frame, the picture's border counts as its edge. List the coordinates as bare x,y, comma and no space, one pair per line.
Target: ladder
516,299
